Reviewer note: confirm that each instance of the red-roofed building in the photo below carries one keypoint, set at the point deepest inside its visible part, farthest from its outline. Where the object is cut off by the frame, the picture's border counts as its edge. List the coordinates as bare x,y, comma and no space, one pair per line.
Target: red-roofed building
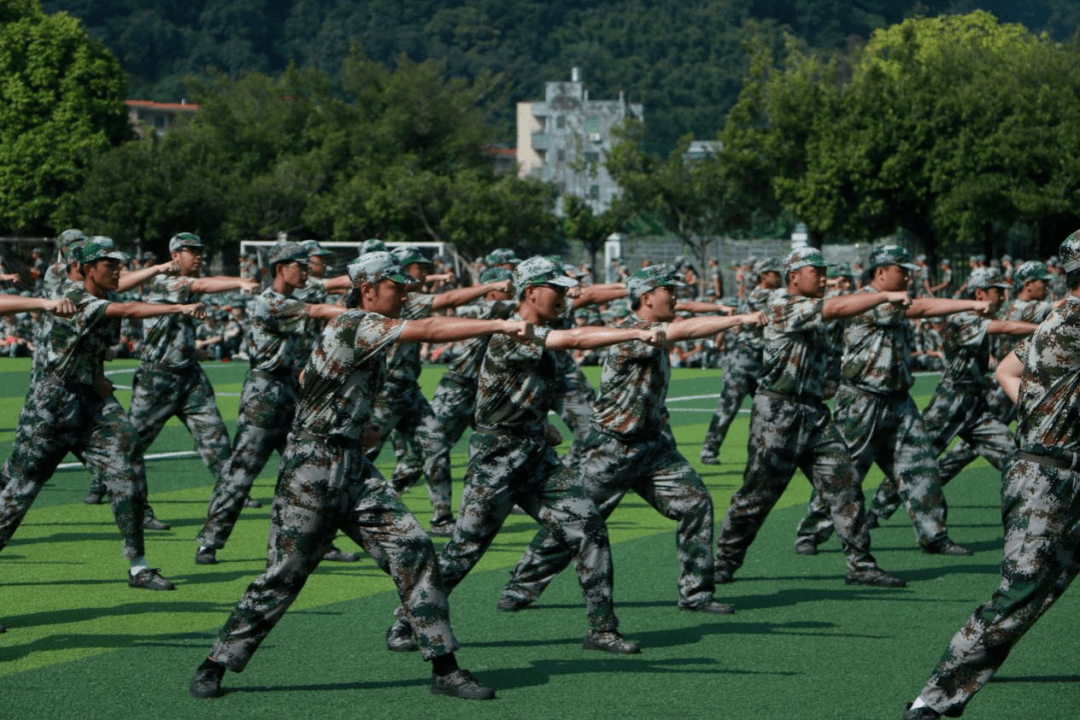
147,115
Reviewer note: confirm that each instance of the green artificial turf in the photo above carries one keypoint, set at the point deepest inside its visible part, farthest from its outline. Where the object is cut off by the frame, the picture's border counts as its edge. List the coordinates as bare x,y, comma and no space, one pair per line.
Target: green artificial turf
81,644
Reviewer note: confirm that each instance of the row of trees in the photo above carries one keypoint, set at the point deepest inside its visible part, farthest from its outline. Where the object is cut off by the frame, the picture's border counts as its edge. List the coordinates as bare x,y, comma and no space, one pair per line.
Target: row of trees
957,131
954,129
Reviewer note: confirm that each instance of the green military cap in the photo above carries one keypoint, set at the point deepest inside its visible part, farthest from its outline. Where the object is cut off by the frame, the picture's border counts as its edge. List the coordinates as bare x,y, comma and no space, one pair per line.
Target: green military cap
891,255
379,265
540,270
1069,253
409,254
288,251
987,277
650,278
1032,270
805,257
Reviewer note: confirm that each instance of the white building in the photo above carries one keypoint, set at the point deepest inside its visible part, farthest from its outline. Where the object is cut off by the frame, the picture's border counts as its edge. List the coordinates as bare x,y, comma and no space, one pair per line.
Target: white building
562,140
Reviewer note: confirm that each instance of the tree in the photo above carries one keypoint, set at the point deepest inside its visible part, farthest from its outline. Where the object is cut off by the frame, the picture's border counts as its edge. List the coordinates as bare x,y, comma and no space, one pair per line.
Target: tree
61,98
688,195
590,229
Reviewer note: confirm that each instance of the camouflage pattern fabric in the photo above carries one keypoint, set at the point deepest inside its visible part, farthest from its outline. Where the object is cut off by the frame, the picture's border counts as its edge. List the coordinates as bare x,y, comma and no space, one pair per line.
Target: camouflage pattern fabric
785,436
1040,514
511,463
169,342
576,405
790,428
630,447
958,407
323,488
741,371
278,349
880,423
509,469
64,413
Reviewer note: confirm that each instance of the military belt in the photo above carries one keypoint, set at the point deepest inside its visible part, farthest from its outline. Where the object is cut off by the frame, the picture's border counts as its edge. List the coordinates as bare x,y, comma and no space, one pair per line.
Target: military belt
459,379
332,440
1071,462
281,376
798,399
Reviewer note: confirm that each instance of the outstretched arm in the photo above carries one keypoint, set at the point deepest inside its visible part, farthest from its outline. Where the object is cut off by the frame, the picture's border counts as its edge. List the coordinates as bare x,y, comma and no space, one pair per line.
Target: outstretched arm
845,306
324,311
134,278
936,307
11,304
699,327
143,310
696,306
461,296
590,337
224,283
1011,327
450,329
596,294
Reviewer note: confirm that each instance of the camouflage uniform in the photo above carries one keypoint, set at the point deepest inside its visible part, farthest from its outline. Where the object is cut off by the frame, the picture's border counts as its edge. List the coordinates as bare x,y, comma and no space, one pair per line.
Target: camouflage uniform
64,413
278,349
454,400
879,422
959,406
741,372
790,428
326,483
401,405
1040,512
170,382
630,447
511,463
962,453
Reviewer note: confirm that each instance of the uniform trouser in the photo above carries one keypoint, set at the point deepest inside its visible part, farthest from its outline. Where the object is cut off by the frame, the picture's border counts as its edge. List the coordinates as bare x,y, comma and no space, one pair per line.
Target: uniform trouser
505,470
453,404
157,396
577,405
323,488
961,454
954,410
887,430
404,407
56,420
1041,515
786,435
267,407
740,379
608,468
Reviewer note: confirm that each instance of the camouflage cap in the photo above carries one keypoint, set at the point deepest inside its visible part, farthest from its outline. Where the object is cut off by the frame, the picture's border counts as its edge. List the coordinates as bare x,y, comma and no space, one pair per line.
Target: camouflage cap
372,245
650,278
98,247
314,248
541,271
378,265
149,256
891,255
495,274
1069,253
409,254
1032,270
288,251
184,240
986,277
805,257
769,264
502,256
68,237
840,270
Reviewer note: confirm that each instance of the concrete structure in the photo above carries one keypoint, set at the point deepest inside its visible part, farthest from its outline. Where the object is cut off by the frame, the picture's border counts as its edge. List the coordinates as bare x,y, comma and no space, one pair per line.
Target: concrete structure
147,115
562,140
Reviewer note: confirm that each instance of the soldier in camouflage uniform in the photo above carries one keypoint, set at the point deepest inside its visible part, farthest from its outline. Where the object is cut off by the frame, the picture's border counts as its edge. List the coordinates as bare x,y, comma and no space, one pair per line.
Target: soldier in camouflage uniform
511,460
454,400
169,381
1040,506
401,405
630,446
326,483
790,427
1030,306
71,408
874,410
959,405
278,351
743,364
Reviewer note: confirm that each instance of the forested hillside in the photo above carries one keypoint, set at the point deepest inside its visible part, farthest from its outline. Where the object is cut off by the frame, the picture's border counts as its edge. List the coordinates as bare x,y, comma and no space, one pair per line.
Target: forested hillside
683,59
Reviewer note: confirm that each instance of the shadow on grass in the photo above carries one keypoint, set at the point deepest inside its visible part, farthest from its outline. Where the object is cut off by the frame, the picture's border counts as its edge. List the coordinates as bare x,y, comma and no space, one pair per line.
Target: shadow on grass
1037,679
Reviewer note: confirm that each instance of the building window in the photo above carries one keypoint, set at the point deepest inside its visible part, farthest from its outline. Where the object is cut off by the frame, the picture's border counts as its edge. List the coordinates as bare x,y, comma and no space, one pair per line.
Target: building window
594,192
560,122
560,155
159,121
592,125
592,158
